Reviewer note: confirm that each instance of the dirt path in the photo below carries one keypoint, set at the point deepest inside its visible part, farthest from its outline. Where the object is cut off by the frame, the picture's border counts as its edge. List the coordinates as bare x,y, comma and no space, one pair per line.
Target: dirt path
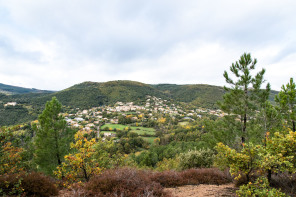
227,190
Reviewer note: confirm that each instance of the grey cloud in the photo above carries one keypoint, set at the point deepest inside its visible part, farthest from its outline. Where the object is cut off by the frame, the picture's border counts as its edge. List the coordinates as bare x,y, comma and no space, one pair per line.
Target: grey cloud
113,36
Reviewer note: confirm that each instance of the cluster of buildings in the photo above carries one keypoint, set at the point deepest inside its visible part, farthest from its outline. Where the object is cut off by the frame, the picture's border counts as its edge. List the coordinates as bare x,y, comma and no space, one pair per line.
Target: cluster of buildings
92,119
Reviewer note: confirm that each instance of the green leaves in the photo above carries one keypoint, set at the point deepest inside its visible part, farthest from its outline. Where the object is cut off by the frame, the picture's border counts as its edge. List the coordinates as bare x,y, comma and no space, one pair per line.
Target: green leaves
286,99
277,155
245,96
52,137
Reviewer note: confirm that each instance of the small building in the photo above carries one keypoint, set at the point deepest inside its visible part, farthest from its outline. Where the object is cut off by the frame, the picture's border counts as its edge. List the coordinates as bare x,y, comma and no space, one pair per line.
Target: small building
10,104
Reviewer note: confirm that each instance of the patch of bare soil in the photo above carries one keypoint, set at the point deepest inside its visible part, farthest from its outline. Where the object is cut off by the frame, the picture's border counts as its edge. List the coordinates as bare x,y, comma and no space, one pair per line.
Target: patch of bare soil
227,190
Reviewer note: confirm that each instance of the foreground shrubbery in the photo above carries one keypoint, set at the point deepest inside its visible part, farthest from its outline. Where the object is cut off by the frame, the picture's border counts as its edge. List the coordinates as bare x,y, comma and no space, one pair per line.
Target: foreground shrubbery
259,188
124,182
276,156
133,182
116,182
32,184
191,177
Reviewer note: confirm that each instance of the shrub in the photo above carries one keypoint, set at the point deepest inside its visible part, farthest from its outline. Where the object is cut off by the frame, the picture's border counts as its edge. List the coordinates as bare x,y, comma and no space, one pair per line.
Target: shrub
191,177
10,184
124,182
205,176
202,158
168,178
33,184
168,164
37,184
285,181
259,188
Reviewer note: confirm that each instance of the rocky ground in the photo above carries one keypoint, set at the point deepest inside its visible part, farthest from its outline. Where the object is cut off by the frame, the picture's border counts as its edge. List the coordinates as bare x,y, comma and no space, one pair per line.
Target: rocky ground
203,190
227,190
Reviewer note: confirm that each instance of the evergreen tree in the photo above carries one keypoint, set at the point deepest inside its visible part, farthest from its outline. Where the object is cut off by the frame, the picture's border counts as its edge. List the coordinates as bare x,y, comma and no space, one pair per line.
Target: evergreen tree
52,138
286,99
242,98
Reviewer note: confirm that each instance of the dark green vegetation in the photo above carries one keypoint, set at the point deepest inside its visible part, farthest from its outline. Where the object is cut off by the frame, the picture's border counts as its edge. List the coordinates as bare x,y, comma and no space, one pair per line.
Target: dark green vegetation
53,137
11,115
92,94
8,89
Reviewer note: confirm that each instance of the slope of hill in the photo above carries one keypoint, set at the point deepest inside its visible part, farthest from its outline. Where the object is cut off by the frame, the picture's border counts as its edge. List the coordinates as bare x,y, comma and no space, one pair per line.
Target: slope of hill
91,94
198,95
8,89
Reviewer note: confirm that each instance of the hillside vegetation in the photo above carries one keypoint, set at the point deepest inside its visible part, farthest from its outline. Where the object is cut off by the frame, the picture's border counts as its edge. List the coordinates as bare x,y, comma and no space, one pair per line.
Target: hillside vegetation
8,89
91,94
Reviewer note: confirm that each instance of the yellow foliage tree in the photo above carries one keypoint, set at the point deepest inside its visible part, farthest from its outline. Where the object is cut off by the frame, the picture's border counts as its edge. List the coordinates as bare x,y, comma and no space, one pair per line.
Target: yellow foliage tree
162,120
10,156
81,165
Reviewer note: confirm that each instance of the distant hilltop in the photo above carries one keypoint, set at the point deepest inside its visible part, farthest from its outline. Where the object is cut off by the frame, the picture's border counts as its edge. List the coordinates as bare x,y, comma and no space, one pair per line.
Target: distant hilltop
30,102
9,90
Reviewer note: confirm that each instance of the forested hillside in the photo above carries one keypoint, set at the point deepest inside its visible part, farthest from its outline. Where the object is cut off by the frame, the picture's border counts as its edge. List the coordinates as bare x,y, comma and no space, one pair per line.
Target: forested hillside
92,94
8,89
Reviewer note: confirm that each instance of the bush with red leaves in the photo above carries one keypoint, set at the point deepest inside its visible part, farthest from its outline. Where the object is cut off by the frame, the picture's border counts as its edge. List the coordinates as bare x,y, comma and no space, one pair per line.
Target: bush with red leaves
168,178
191,177
205,176
10,184
37,184
124,182
32,184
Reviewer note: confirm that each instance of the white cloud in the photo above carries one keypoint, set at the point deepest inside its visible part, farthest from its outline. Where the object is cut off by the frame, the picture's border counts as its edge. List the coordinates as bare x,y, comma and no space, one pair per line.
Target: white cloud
55,44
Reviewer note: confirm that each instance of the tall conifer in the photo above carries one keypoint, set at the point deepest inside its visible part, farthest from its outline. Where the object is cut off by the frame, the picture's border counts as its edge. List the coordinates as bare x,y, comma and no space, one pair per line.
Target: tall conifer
242,97
286,99
52,138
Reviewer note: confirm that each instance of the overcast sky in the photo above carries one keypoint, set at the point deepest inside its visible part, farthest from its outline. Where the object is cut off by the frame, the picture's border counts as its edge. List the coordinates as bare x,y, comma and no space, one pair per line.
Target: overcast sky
54,44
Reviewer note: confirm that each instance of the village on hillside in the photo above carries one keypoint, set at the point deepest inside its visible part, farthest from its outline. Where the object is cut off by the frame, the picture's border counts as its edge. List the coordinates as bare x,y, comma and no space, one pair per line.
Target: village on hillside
94,119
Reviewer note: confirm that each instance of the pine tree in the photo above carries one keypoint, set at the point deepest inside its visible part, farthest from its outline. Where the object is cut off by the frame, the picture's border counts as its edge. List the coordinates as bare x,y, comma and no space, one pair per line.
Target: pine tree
286,99
52,138
243,97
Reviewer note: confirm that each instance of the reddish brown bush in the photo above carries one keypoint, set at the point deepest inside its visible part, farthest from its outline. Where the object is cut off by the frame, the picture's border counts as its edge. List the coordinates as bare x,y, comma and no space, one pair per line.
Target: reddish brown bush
191,177
284,181
11,184
168,178
37,184
204,176
124,182
33,184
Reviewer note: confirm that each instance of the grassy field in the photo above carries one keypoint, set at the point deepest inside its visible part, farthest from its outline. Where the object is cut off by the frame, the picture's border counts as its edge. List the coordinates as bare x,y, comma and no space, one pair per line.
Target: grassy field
143,130
138,130
114,126
149,139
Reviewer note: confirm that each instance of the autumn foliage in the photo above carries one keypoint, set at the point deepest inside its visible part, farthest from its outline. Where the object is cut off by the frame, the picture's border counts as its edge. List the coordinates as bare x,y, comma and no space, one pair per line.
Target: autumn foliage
81,165
10,156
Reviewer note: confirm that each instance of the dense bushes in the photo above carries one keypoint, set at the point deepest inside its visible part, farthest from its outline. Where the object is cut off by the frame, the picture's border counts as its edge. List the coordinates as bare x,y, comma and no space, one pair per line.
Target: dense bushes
132,182
259,188
191,177
32,184
202,158
124,182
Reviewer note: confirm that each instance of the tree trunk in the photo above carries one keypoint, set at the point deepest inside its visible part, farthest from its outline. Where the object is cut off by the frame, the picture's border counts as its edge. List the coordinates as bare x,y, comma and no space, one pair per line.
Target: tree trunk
269,176
244,128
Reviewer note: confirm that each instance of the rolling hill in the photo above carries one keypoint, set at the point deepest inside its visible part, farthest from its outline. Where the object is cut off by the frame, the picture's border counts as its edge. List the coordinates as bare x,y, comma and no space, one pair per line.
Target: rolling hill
10,90
91,94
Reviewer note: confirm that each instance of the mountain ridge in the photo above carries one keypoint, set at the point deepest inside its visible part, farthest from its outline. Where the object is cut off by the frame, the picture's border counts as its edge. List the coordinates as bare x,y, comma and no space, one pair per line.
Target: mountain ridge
89,94
10,90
